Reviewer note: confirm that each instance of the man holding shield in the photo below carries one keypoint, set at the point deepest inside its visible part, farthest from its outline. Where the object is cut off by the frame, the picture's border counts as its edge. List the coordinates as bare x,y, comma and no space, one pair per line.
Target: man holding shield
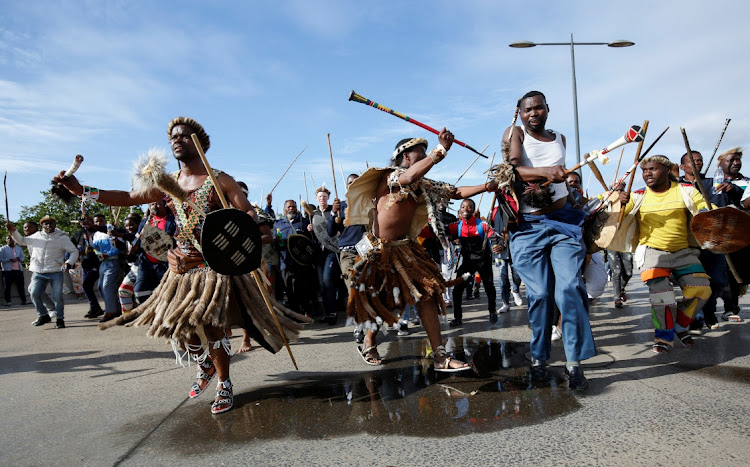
194,305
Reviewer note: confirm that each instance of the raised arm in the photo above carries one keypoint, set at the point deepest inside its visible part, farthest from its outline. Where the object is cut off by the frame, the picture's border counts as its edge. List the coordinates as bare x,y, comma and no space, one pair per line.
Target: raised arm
418,169
110,197
463,192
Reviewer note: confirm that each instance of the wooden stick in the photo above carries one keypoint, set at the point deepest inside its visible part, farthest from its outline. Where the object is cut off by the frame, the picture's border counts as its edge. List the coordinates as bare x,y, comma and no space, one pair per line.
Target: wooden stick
598,175
470,165
487,179
635,168
702,189
617,169
254,273
307,193
341,169
5,188
333,171
287,169
726,124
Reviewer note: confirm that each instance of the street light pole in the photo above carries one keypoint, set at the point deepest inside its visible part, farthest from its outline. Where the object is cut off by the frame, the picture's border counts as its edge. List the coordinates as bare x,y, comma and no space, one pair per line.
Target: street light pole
575,99
617,44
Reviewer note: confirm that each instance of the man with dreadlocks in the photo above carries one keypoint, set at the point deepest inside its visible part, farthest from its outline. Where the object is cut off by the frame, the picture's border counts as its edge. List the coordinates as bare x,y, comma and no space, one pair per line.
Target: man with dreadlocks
194,305
396,271
657,220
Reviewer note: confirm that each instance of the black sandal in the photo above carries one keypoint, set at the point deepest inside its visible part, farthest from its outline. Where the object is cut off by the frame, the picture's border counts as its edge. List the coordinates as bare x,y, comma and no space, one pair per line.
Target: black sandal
660,348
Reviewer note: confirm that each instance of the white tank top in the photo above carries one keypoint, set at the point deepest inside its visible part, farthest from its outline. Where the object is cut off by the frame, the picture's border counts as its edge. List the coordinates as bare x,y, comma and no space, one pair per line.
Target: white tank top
544,154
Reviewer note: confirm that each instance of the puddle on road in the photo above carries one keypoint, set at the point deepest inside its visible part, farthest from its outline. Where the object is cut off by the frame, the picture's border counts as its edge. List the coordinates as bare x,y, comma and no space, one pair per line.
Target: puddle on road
406,397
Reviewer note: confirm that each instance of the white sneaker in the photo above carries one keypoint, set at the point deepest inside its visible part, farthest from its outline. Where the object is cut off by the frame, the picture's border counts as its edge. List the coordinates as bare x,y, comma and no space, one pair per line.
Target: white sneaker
504,307
556,336
517,298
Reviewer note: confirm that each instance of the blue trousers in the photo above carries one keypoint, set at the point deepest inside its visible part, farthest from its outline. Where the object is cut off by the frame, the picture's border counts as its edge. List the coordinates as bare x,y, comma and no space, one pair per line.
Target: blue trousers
109,281
329,274
39,282
505,283
551,265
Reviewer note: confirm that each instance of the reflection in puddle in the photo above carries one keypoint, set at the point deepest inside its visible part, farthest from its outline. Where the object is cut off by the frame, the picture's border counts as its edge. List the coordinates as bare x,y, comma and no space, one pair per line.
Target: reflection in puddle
406,397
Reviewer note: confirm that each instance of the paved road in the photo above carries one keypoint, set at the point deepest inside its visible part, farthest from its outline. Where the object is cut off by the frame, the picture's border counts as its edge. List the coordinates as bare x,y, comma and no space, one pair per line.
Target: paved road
81,396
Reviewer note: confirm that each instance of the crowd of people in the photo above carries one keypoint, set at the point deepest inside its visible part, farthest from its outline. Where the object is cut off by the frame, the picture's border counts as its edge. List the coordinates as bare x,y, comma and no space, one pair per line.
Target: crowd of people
389,255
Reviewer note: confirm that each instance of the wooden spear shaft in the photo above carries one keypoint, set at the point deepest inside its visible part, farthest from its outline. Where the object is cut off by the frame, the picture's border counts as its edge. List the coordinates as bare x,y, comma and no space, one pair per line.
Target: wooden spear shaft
287,170
472,163
333,170
255,274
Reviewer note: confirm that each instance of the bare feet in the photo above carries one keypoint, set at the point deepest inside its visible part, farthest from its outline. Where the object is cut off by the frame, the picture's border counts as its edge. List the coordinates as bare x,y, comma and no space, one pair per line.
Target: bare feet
246,346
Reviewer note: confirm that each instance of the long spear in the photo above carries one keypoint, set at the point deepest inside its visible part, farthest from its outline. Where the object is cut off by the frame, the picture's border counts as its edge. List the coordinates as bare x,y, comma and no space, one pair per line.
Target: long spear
726,124
470,165
287,170
363,100
617,169
333,171
5,188
255,273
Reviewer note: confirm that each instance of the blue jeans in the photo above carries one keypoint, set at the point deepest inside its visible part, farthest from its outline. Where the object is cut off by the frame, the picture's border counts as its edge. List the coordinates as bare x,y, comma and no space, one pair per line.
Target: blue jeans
505,284
551,265
329,274
39,282
109,275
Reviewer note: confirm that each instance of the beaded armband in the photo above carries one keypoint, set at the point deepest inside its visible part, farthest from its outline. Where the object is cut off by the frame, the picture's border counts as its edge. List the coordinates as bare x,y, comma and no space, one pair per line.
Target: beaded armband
90,192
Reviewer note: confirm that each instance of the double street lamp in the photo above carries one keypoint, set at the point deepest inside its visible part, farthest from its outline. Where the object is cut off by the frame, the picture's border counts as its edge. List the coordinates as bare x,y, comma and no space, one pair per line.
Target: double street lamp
527,44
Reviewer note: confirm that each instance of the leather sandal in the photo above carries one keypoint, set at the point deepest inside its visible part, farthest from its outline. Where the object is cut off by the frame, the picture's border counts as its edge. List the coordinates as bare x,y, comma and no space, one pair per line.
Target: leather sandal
195,389
224,397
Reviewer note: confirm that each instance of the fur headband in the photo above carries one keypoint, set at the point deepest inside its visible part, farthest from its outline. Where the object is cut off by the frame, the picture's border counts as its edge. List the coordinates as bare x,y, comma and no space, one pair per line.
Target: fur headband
197,128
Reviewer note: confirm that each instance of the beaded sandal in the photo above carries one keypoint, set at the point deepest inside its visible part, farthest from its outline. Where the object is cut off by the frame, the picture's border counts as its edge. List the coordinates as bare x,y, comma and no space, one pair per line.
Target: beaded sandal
195,389
223,391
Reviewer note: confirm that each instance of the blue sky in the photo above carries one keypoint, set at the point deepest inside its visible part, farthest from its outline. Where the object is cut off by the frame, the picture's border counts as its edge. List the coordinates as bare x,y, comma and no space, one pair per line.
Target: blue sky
267,78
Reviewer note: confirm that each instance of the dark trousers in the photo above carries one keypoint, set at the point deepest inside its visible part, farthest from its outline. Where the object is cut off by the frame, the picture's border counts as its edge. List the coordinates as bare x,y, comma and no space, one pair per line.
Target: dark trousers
485,270
329,277
148,278
621,265
90,279
300,286
10,277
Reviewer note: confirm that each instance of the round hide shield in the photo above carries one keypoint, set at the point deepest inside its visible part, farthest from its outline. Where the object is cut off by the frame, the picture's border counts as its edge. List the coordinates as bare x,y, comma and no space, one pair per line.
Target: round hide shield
301,249
320,229
156,242
231,243
723,230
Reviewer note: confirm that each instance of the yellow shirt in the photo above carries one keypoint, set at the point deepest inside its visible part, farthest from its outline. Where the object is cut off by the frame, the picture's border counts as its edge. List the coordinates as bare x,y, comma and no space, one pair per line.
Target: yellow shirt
663,218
